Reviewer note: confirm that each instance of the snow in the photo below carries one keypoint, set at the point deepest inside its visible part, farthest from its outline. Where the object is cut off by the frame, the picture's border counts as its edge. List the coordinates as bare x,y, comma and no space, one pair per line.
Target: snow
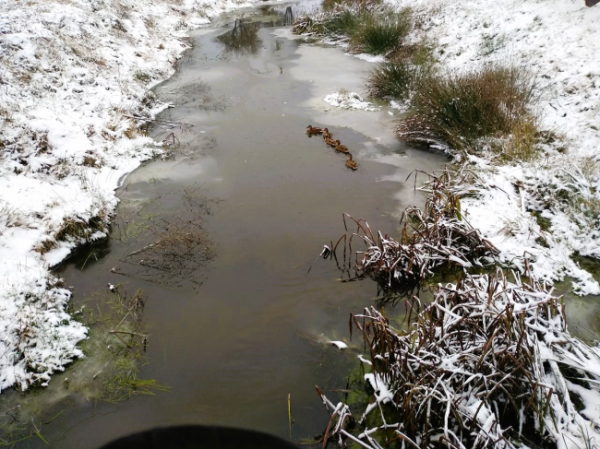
367,57
557,40
348,100
339,344
72,76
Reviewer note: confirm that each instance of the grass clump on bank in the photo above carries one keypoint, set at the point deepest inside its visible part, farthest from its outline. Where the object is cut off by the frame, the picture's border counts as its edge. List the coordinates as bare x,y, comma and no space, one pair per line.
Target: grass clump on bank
397,77
368,30
433,240
380,34
457,110
344,23
488,363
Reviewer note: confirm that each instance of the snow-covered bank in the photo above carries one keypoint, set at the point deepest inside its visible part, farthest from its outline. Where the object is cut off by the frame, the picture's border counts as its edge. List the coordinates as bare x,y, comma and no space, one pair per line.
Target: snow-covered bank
557,40
73,74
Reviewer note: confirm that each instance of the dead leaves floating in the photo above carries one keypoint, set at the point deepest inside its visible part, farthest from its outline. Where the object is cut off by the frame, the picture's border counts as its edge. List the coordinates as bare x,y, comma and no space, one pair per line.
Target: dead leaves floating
335,144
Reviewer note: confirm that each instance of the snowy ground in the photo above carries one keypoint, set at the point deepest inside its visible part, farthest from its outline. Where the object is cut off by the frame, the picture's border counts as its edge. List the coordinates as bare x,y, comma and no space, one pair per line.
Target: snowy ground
558,41
73,73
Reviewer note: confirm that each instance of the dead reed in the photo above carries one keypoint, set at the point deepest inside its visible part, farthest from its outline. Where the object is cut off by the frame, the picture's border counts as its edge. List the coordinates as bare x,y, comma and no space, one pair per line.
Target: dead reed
434,238
488,364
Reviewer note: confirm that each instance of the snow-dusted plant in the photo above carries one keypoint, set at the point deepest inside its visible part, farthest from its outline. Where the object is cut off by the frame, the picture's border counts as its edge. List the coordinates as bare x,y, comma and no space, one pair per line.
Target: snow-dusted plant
488,364
432,238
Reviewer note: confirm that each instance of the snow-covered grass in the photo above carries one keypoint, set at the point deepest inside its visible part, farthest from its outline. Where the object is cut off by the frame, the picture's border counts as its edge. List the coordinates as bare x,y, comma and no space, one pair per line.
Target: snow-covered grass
532,190
432,240
74,76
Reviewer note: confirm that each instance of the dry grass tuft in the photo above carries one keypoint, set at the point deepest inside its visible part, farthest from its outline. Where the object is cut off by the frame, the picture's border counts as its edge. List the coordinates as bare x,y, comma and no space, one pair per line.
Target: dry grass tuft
459,109
45,246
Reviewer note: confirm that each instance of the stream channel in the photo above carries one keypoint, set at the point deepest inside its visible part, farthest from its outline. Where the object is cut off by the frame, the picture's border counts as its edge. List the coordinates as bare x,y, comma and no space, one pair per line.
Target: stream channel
234,336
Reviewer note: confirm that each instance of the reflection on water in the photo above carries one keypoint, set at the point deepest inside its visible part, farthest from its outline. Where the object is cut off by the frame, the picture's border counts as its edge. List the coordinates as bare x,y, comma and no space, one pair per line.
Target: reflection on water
242,39
289,16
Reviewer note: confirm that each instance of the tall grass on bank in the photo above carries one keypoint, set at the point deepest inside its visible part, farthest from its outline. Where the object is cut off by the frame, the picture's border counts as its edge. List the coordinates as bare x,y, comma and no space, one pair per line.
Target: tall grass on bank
345,23
381,34
368,30
404,69
457,110
395,79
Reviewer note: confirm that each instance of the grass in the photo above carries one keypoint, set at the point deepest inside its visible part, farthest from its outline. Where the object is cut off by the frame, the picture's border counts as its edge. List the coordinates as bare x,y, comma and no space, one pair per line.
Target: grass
522,144
406,66
345,23
79,229
458,109
433,240
381,34
395,79
368,30
110,372
391,79
141,77
487,323
491,43
331,5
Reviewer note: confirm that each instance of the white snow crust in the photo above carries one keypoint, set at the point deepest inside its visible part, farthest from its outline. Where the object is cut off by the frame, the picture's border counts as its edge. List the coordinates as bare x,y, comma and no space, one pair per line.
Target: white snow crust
73,73
558,41
348,100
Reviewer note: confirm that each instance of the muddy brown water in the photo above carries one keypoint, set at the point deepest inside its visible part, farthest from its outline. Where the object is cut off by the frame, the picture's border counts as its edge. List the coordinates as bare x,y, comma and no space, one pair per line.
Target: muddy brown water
235,336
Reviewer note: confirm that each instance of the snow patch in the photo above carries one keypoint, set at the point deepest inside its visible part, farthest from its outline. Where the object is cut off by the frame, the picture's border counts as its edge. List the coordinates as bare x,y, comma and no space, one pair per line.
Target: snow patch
348,100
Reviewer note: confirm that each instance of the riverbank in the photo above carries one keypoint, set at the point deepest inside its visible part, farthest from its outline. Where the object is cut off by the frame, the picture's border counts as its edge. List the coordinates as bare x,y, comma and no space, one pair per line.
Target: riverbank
544,210
539,207
74,83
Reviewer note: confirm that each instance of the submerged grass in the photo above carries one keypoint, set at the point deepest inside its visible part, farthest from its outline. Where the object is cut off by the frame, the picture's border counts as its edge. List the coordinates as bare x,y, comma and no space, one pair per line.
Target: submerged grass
109,372
457,110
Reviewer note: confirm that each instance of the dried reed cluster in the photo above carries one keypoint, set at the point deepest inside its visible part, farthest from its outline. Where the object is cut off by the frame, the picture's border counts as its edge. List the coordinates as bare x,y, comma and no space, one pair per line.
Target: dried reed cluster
488,364
434,238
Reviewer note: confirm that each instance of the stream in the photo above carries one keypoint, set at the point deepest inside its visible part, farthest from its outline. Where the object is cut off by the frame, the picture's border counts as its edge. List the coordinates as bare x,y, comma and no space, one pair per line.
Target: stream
234,333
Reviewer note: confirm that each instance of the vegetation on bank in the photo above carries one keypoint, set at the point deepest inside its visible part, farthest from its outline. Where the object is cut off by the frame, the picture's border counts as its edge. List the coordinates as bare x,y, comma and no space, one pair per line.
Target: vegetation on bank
432,240
488,363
